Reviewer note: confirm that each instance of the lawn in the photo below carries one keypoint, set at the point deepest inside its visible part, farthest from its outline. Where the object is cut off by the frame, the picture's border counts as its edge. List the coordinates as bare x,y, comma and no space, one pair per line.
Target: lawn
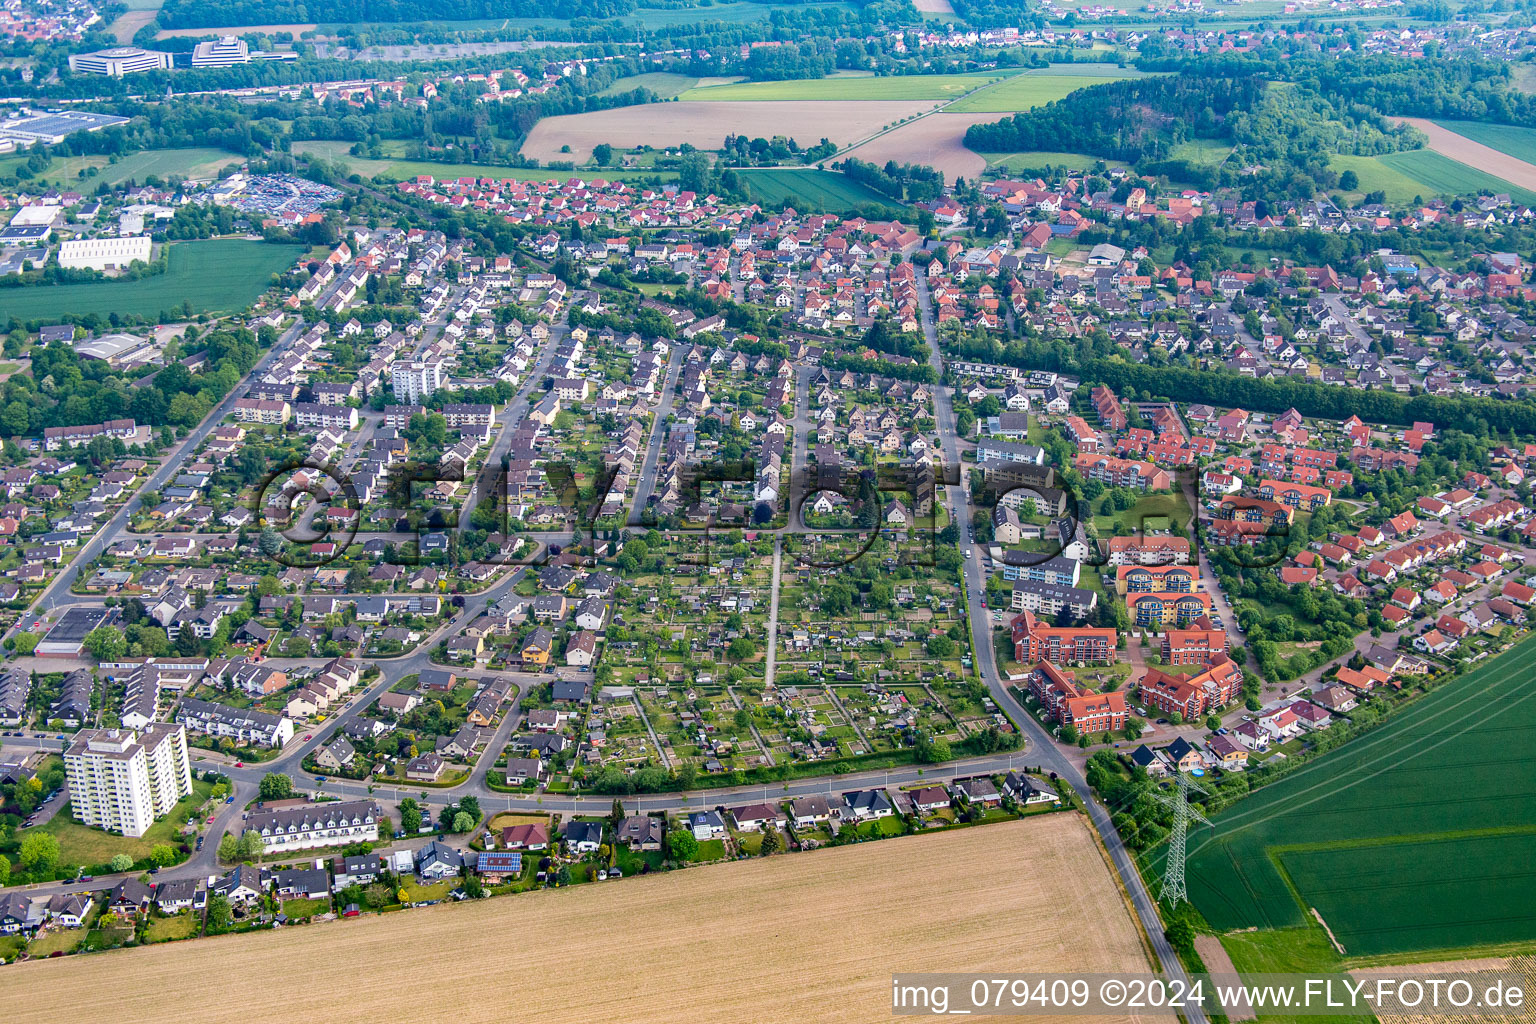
1201,151
54,940
1039,159
1023,92
1171,508
1285,951
1519,143
178,926
1365,834
304,909
663,83
829,190
199,163
217,275
415,892
843,88
91,847
709,849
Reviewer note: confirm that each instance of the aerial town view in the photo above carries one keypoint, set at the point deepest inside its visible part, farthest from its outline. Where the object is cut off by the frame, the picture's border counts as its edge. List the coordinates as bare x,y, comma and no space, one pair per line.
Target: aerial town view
661,511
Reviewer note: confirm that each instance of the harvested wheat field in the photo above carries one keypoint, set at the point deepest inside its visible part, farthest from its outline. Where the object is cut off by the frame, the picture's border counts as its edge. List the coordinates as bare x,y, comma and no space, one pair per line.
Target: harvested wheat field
1475,154
794,938
128,24
1521,968
937,140
705,125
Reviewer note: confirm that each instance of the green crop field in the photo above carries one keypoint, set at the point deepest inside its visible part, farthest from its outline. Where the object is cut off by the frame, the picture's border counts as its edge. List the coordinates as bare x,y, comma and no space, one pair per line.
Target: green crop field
1376,176
1519,143
219,275
662,83
828,190
845,87
1024,91
1419,836
1443,175
65,171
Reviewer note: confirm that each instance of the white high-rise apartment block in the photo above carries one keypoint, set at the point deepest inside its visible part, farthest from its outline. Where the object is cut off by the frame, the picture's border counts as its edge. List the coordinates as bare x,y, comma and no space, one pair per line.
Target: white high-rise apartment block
122,781
414,381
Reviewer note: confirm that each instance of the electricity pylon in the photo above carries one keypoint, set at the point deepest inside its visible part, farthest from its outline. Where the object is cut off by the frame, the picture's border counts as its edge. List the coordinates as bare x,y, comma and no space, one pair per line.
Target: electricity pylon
1183,812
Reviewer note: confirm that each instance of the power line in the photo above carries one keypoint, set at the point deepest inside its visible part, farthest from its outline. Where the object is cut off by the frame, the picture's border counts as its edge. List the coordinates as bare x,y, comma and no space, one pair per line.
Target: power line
1183,811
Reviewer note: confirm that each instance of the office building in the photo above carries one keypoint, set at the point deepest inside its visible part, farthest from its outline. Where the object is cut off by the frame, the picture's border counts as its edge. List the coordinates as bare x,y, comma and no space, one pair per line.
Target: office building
224,52
119,61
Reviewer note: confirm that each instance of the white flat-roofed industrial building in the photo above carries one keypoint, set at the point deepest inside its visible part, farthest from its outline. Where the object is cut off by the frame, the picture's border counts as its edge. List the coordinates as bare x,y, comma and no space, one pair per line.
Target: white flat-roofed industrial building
55,126
105,253
121,781
119,61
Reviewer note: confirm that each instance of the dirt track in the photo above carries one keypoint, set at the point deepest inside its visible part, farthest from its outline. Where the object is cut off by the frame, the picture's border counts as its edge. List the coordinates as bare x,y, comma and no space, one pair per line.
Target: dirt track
705,125
800,937
1475,154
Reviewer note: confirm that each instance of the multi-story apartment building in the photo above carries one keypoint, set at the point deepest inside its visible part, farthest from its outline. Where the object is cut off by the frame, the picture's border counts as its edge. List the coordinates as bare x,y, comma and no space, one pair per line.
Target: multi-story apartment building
1194,646
1118,472
1159,610
1146,579
415,381
1149,550
334,823
123,781
1194,695
244,726
1071,704
1033,641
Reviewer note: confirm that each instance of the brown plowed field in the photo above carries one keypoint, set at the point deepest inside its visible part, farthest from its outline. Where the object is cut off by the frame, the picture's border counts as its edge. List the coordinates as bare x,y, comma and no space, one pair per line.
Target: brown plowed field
937,140
793,938
705,125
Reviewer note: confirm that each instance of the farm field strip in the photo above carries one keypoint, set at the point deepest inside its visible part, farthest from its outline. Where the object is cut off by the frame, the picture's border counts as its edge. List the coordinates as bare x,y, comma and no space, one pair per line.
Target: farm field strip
1389,799
1465,164
849,88
1023,92
1044,894
1448,176
801,186
1508,139
214,276
705,125
402,168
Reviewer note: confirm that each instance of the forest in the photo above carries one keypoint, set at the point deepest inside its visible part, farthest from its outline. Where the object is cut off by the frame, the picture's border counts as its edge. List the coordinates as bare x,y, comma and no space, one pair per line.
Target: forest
1281,132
